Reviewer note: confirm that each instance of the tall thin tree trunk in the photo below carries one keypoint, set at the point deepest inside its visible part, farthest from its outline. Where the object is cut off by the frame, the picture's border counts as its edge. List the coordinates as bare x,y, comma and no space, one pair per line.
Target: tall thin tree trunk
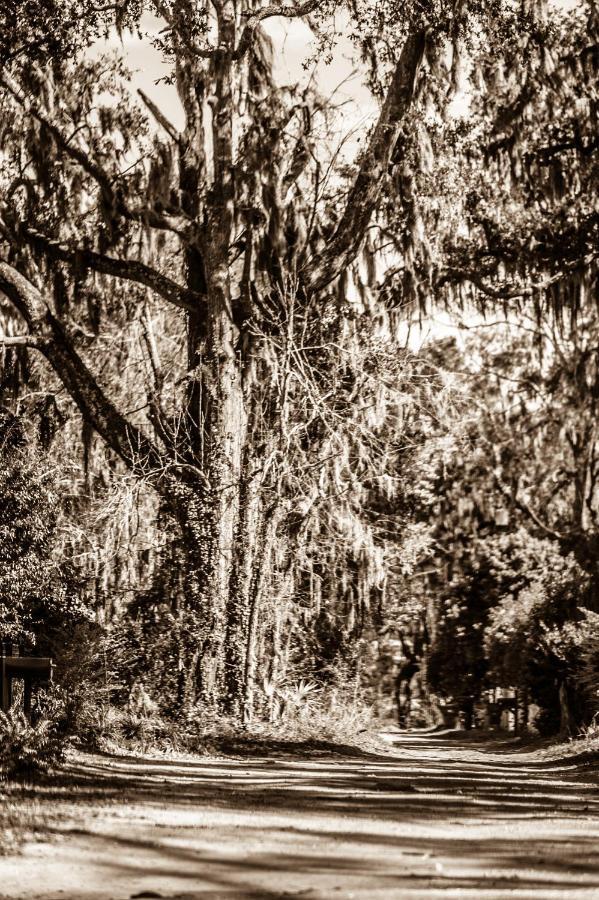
246,538
566,719
261,568
227,433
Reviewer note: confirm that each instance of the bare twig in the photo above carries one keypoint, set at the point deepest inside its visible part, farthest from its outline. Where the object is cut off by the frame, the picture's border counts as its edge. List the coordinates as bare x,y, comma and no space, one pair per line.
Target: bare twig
160,117
23,340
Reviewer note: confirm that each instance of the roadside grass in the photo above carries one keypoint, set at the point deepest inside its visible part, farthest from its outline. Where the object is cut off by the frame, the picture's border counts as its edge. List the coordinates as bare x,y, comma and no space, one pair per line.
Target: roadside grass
582,750
227,736
579,750
312,726
20,817
266,740
27,753
307,720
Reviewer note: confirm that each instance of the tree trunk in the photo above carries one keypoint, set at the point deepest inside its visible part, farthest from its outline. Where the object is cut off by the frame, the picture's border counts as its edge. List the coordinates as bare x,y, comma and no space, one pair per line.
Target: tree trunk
262,559
566,718
246,537
226,421
224,414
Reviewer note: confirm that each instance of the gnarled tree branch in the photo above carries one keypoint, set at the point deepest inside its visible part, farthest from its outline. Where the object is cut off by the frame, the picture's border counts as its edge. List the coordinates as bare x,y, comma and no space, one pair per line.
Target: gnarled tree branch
291,11
126,439
22,340
129,269
366,189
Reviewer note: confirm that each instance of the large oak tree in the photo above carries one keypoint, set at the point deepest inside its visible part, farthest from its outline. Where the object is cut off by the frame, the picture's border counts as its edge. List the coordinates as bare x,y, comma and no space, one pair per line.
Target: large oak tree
231,227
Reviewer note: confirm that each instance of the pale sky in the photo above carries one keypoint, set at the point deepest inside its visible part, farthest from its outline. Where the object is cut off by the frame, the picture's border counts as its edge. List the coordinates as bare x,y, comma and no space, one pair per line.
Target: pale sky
294,46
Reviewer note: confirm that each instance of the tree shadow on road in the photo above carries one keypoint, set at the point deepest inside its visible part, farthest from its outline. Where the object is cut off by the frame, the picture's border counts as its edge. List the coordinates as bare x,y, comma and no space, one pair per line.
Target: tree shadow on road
434,816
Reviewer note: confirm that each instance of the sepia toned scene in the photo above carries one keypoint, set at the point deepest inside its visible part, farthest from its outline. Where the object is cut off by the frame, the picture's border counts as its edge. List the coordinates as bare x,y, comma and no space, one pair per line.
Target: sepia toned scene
299,449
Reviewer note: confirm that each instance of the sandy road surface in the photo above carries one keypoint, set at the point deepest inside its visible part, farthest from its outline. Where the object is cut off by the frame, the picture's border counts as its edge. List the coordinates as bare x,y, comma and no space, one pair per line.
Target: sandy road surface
432,818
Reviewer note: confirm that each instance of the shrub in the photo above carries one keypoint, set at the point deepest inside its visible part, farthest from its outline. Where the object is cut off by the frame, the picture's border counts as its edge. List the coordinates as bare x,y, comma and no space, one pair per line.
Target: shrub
30,748
135,724
589,656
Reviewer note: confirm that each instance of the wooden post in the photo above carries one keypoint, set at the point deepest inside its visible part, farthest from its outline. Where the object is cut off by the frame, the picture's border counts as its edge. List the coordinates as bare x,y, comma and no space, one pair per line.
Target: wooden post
27,698
29,668
5,681
5,684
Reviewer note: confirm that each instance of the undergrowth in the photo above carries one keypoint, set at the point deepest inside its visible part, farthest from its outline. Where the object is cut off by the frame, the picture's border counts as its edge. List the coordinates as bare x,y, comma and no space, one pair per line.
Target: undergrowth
583,748
303,716
28,749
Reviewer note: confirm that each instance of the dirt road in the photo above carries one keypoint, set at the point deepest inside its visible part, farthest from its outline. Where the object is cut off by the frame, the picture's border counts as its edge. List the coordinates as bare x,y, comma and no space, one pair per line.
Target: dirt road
434,817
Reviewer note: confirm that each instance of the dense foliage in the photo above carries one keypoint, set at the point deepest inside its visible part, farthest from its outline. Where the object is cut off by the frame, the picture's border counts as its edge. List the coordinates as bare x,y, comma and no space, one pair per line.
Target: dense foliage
35,594
514,580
